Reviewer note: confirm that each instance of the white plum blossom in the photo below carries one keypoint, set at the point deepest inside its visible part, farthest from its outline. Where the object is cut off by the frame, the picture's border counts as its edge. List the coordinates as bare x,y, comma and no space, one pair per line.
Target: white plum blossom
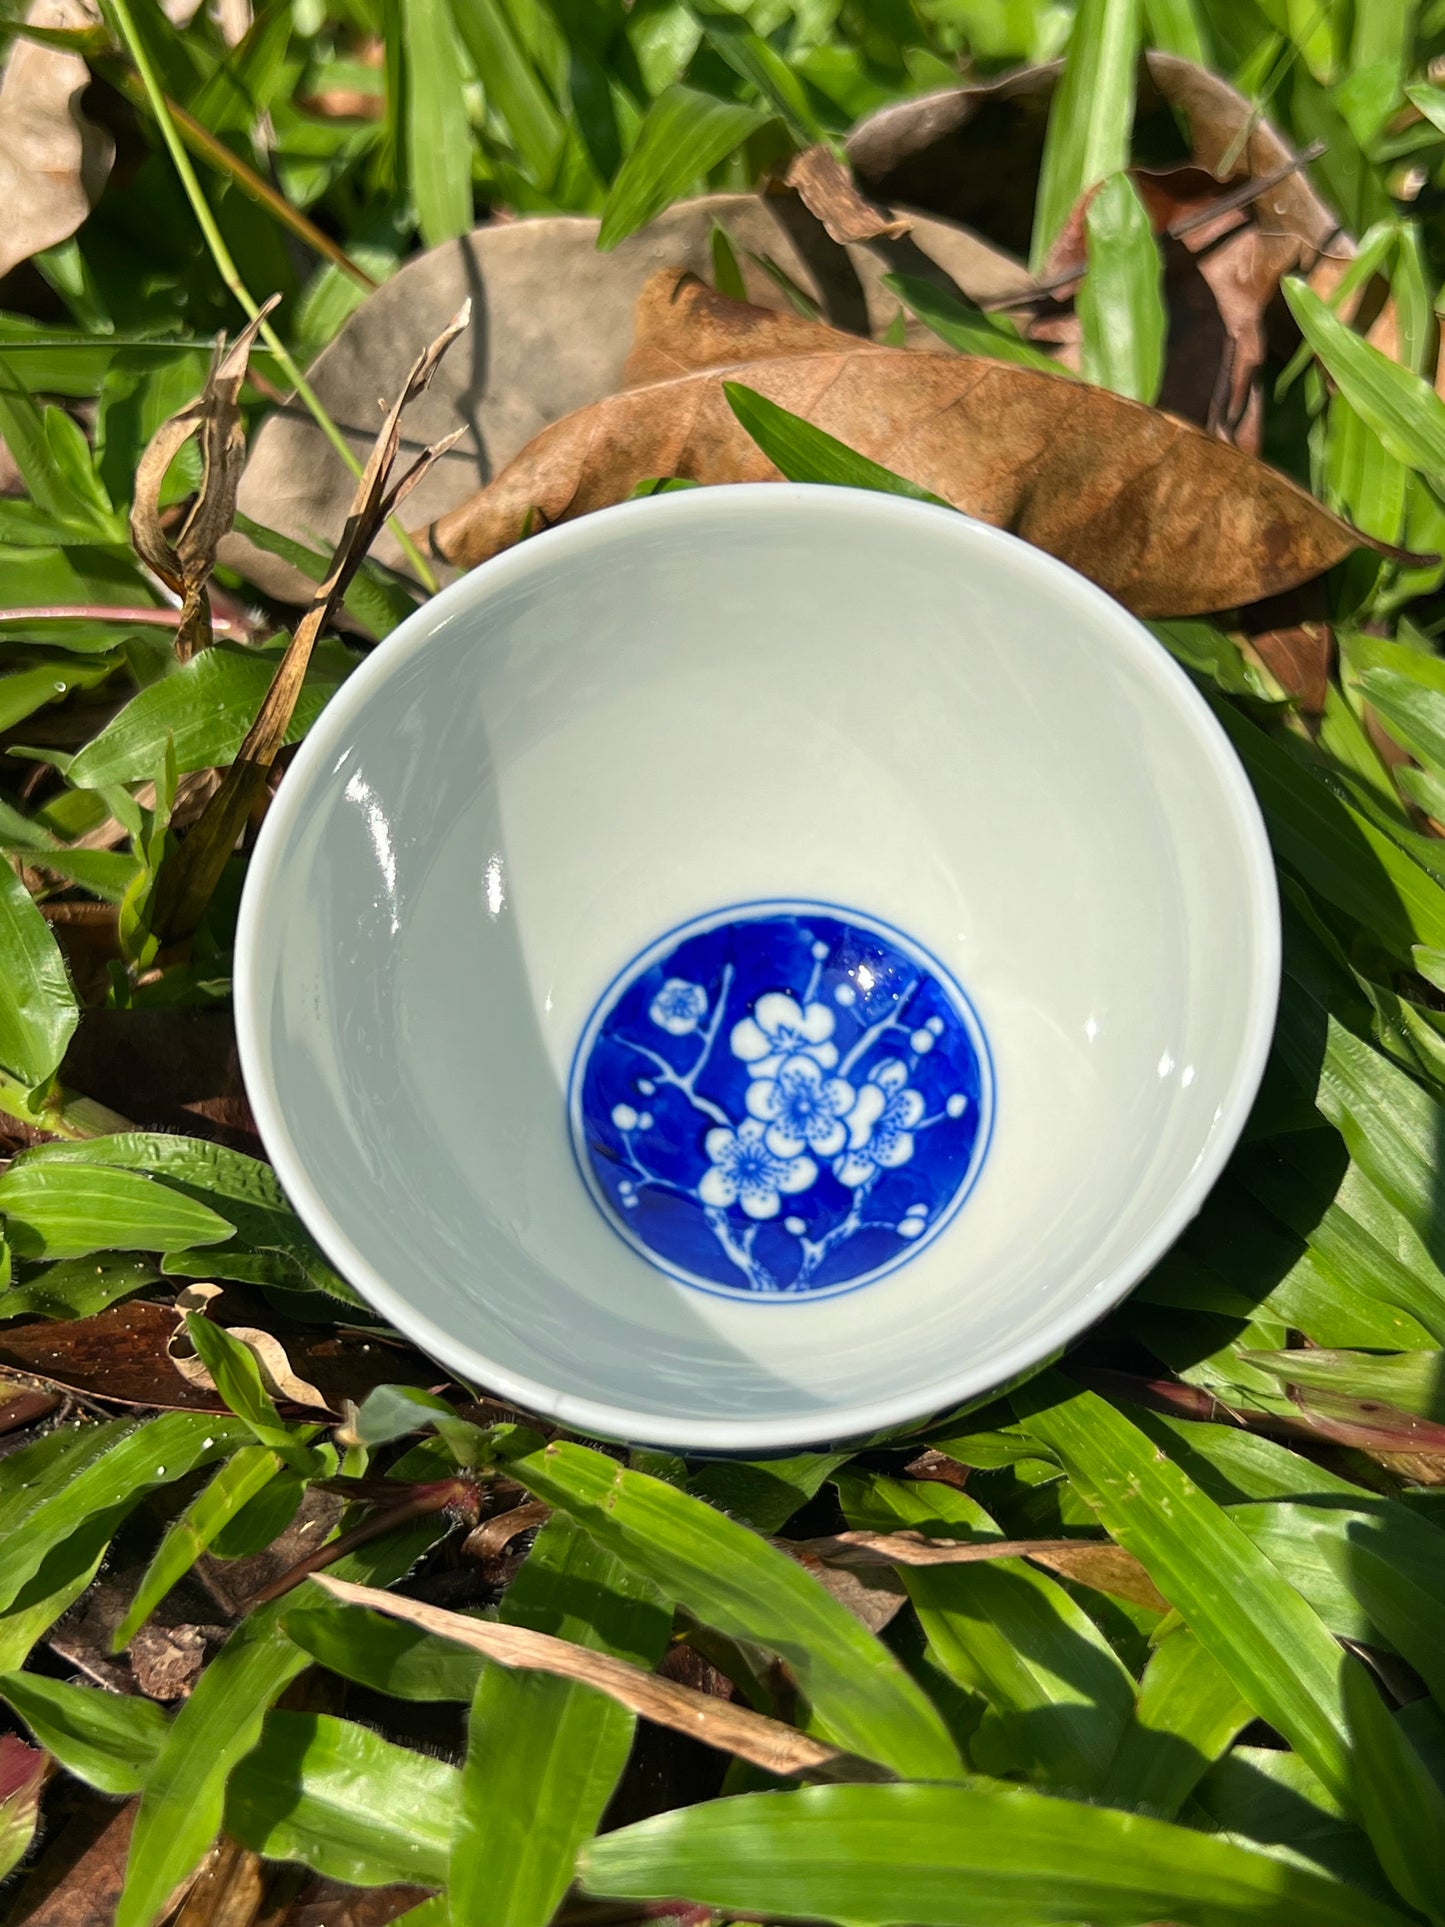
744,1171
803,1109
679,1007
624,1117
880,1125
780,1028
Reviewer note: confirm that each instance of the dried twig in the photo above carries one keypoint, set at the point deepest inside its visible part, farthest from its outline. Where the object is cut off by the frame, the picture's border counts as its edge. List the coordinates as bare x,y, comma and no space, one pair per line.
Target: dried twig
185,563
188,879
721,1723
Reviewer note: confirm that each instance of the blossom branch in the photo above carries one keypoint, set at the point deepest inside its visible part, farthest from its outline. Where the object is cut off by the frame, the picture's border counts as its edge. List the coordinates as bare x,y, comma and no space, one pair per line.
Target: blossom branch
875,1031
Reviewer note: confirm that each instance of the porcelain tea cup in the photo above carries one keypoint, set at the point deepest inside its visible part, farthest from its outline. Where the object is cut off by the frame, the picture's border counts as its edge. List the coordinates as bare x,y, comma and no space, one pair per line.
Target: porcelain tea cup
757,966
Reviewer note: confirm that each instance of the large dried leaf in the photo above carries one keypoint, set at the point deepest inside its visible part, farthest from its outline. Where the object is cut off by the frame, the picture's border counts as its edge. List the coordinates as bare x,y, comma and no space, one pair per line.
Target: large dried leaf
53,159
1165,517
551,332
971,153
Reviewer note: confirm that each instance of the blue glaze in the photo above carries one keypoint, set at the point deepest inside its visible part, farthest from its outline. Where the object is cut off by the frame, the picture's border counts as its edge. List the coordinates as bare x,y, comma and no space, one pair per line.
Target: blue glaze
781,1100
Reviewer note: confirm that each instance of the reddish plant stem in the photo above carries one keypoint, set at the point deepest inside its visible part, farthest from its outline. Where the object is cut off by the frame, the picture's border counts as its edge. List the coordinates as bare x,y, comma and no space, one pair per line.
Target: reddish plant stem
145,617
438,1495
1192,1402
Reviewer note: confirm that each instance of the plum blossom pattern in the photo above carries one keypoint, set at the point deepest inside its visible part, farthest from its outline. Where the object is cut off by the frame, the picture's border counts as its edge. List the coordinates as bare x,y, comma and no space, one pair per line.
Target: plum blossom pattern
783,1099
803,1110
881,1124
679,1007
778,1029
744,1169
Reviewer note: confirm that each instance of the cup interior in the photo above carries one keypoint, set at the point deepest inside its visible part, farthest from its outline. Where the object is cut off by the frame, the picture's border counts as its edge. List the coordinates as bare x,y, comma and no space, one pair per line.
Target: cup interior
872,822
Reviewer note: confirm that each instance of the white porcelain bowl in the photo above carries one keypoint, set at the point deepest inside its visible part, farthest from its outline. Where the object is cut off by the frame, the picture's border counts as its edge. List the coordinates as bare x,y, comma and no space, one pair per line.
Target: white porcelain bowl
757,966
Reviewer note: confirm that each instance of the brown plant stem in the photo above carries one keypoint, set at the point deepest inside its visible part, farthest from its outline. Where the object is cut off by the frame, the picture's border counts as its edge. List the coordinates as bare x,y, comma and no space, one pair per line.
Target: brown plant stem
144,617
208,148
439,1495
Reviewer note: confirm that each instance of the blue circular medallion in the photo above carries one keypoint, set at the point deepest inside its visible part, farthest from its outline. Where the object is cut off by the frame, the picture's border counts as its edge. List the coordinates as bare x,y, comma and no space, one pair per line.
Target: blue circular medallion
781,1099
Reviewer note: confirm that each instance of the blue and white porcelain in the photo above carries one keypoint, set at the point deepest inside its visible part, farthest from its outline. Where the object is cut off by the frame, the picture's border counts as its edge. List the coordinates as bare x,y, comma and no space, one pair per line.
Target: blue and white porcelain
781,1099
757,967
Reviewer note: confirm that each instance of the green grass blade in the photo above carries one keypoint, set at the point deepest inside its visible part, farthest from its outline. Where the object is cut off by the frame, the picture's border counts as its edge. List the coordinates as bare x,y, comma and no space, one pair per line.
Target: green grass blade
751,57
382,1654
243,1189
343,1801
1364,1242
237,1378
1412,1381
1393,1128
1092,117
1177,27
1400,1608
42,443
182,1807
1271,1643
1400,407
1337,852
109,1740
87,1483
438,138
806,454
1059,1699
961,1856
38,1011
64,1211
684,136
1402,1807
512,85
733,1580
954,319
1270,1796
63,1575
1189,1714
544,1754
764,1496
374,595
1414,715
234,1486
205,708
1121,302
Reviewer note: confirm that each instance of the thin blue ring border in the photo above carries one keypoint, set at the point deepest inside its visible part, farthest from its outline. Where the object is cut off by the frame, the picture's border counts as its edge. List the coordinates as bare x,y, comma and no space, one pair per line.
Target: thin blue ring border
702,921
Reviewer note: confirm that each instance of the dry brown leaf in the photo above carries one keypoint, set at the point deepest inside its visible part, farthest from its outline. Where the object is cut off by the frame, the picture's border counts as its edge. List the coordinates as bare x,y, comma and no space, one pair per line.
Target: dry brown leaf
188,879
1222,271
875,1595
972,153
1163,516
681,324
553,329
270,1355
716,1722
494,1535
1096,1563
184,561
54,160
1299,658
826,188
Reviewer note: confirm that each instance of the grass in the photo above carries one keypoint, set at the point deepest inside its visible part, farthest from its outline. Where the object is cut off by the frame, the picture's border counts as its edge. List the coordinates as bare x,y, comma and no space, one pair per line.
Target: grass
1214,1693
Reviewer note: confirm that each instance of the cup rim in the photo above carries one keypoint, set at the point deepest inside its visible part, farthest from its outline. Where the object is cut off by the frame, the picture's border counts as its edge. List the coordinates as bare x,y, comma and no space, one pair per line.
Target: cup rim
540,554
